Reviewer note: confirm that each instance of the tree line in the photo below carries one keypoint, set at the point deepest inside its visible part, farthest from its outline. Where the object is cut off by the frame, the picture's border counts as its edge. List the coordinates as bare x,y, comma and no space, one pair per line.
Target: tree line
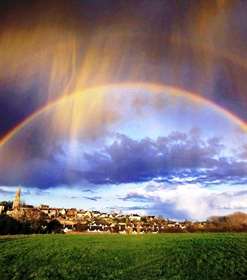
11,226
236,222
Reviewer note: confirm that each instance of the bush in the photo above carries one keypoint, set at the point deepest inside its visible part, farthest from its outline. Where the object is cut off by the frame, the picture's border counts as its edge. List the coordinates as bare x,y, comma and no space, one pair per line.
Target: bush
9,225
54,227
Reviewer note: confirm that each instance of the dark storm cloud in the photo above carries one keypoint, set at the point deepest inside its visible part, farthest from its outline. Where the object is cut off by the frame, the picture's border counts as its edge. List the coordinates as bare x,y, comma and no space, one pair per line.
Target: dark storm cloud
46,176
11,112
187,156
41,174
179,154
225,88
37,143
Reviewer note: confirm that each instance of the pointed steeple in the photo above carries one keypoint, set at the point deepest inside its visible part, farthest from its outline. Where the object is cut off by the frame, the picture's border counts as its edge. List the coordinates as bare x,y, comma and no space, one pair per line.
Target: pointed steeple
16,202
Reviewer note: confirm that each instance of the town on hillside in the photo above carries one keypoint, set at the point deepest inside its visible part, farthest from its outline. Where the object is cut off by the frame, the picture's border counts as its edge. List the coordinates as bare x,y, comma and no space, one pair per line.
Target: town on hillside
85,221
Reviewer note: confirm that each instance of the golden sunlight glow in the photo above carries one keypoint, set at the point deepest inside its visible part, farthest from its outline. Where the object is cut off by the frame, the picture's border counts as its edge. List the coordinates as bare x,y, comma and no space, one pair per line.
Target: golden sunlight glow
67,60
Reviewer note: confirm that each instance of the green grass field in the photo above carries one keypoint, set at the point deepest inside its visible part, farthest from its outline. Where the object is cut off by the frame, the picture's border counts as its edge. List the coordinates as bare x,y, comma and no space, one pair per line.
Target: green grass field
159,256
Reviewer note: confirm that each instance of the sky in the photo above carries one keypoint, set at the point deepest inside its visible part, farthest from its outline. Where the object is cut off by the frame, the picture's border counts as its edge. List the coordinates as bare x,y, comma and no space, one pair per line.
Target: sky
125,106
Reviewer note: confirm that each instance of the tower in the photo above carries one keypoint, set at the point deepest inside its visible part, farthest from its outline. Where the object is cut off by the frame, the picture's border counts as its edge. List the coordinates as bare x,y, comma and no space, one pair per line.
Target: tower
17,198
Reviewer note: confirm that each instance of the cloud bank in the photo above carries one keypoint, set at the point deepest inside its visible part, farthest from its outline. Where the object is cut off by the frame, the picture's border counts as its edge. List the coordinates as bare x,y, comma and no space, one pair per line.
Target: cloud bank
184,155
188,156
189,201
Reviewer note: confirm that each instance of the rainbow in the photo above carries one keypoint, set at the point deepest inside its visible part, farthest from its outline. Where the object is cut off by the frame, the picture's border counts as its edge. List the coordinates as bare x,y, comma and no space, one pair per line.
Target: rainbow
138,86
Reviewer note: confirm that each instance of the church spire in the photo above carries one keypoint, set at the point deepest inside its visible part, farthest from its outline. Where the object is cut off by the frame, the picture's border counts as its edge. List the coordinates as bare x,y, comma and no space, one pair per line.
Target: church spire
16,202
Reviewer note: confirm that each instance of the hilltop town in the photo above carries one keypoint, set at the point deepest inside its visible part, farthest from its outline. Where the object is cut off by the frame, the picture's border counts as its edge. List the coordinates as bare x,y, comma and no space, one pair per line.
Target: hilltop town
89,221
85,221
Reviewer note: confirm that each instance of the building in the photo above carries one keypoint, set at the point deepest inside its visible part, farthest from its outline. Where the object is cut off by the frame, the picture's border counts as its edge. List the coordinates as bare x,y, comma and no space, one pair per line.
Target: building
53,212
2,207
17,198
134,217
44,208
62,211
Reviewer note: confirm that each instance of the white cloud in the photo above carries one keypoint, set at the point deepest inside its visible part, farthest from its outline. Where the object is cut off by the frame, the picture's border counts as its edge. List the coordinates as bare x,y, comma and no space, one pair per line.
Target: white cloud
188,200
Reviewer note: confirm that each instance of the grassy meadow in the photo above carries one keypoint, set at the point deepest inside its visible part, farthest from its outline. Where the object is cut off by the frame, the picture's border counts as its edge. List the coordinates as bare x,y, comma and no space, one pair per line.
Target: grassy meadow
160,256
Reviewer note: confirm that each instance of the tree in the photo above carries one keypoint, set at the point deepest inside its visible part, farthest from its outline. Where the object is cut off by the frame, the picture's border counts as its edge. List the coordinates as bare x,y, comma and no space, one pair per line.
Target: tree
238,218
160,217
144,219
8,225
7,205
54,227
233,222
